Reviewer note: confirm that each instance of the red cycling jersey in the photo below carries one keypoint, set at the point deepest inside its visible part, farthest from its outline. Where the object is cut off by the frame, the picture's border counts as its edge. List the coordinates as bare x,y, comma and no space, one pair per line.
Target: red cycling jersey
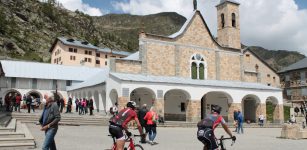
123,117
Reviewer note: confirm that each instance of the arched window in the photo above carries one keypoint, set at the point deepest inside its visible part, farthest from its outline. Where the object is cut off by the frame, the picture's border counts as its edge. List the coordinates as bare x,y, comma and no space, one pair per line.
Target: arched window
223,20
198,67
233,19
201,71
194,70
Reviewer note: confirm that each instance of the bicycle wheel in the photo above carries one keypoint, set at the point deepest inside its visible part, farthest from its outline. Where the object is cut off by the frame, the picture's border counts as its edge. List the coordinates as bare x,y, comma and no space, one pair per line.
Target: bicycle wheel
138,147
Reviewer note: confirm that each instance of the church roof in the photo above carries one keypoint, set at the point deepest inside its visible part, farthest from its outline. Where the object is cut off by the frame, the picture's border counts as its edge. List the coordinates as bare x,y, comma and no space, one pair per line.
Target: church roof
96,79
231,1
23,69
298,65
189,81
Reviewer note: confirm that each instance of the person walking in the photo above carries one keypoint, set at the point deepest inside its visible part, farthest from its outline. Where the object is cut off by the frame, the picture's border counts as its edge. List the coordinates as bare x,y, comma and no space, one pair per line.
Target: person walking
62,104
240,122
28,102
18,102
49,122
69,105
77,104
91,106
33,104
80,107
151,118
141,114
261,120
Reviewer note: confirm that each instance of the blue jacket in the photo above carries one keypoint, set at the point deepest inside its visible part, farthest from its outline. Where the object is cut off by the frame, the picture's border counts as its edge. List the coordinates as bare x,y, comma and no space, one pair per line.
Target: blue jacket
240,118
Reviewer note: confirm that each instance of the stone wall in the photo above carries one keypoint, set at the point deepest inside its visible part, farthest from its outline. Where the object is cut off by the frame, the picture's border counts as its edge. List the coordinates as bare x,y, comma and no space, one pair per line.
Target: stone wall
125,66
160,59
122,102
278,116
265,75
159,106
230,67
193,112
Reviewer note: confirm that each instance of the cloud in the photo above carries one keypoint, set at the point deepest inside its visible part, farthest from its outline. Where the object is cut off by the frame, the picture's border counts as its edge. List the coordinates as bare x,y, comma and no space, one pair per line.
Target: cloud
78,4
273,24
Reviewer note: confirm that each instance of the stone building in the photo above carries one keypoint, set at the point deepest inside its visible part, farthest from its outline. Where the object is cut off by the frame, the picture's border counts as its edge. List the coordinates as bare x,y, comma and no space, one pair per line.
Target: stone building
293,81
37,79
68,51
183,74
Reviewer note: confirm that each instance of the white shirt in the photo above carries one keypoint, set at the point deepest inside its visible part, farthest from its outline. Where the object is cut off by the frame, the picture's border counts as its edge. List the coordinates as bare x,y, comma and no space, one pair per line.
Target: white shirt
261,117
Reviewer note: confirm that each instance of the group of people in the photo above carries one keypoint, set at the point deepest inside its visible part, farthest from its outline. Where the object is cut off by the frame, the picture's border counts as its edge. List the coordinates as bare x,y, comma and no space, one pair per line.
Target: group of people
144,118
84,105
14,102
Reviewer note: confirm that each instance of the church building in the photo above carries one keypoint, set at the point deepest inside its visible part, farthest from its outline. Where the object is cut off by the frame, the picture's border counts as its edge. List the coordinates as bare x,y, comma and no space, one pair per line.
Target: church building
183,74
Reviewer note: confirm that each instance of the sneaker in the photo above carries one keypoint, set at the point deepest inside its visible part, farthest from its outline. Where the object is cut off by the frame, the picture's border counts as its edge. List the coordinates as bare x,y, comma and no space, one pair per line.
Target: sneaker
151,142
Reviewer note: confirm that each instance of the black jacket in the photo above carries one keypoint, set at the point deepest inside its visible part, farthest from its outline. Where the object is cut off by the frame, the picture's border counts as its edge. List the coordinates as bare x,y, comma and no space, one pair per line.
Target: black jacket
53,116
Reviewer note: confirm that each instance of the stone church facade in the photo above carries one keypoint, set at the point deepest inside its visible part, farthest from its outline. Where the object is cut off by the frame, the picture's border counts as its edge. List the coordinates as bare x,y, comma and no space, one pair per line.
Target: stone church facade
183,74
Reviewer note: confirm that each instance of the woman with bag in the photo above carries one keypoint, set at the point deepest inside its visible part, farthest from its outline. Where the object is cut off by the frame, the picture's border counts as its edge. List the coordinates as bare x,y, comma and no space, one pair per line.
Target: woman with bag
151,117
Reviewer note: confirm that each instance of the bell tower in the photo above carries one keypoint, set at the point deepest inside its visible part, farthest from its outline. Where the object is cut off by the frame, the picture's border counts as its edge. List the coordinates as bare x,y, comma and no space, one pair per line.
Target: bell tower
228,29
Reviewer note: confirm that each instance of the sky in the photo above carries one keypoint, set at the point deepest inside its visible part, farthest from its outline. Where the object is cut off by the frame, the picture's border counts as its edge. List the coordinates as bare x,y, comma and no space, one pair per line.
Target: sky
272,24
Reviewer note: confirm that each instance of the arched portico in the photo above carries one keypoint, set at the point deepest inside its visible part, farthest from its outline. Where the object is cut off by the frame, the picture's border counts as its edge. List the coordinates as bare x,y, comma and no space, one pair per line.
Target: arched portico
35,94
220,98
251,107
175,104
143,96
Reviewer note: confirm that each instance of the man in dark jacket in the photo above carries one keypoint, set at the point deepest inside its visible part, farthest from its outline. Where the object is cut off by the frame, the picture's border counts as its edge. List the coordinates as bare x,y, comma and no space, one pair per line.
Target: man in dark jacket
49,121
28,102
141,114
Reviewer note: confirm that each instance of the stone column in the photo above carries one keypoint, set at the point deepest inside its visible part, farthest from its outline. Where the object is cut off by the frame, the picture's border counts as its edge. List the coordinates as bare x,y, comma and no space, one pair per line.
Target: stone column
260,109
232,107
193,111
122,102
159,106
278,115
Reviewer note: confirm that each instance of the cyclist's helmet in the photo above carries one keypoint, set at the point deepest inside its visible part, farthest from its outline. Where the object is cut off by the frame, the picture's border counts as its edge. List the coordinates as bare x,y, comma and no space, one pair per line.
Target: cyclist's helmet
216,108
131,104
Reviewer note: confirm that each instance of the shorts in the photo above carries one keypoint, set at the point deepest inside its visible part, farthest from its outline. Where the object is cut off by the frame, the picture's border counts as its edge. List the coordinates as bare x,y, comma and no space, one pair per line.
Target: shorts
116,132
206,136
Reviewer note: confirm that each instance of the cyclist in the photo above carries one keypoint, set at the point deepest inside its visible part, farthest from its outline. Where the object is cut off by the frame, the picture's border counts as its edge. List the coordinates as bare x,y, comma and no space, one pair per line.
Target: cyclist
206,127
119,122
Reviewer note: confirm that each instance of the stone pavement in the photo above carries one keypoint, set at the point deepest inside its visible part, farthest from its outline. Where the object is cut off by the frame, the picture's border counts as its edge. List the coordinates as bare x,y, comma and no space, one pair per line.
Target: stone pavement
95,138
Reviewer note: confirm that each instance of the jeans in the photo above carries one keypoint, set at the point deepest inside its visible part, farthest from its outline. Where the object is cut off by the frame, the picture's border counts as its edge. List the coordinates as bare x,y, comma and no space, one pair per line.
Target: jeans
240,126
49,142
152,133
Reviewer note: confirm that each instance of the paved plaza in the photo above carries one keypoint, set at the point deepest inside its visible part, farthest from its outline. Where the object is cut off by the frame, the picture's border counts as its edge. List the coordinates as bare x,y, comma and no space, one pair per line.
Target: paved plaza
95,138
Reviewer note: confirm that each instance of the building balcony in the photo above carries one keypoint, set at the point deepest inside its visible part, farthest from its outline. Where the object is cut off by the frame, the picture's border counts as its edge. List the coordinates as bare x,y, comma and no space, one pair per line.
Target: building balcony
293,84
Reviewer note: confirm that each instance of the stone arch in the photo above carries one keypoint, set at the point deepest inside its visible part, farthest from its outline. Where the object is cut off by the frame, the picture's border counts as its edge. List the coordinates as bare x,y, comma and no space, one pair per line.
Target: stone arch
220,98
175,104
251,107
272,109
113,96
35,94
11,92
142,96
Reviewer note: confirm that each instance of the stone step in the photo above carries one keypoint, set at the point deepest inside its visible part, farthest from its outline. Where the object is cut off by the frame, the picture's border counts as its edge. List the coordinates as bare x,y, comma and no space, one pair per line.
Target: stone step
5,120
16,140
17,146
12,135
5,129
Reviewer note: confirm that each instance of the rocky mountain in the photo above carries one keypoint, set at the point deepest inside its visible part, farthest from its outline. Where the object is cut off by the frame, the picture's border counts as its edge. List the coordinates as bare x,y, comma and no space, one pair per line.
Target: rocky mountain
29,27
277,59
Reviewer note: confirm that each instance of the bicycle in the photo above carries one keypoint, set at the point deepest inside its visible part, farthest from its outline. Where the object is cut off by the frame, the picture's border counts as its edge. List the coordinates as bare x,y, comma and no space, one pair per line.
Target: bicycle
221,143
131,146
